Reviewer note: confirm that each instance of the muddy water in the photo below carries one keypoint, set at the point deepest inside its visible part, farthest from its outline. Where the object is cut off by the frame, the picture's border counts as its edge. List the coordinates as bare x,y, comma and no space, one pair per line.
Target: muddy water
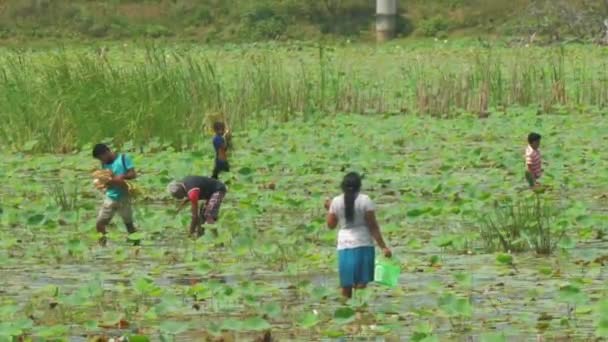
502,298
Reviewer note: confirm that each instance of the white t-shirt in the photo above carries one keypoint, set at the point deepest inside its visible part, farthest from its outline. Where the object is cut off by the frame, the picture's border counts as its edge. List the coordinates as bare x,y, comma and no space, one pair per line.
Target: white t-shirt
354,234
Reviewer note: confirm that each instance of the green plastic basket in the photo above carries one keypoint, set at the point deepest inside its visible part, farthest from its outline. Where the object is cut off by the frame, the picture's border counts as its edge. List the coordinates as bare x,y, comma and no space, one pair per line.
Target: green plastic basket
387,272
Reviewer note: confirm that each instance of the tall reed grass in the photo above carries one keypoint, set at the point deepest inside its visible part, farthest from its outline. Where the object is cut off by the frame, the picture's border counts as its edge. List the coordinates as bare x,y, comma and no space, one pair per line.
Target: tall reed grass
57,101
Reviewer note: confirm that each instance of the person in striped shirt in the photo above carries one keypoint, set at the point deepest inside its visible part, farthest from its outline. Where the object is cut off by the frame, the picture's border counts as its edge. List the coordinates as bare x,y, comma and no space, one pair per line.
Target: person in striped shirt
534,167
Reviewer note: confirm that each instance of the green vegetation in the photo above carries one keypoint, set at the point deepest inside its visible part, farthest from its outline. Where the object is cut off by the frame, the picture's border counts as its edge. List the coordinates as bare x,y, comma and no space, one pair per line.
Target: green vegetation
432,178
58,101
522,224
244,20
437,126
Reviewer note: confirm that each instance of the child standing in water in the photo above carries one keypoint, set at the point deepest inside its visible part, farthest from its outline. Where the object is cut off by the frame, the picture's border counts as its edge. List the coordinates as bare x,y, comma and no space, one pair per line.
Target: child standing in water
534,167
221,147
355,213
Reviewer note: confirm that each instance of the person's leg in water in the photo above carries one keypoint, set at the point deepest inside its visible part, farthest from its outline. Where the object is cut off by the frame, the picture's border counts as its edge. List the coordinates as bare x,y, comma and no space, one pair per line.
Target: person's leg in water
216,171
220,166
212,209
346,271
126,212
101,228
347,292
106,213
200,230
531,179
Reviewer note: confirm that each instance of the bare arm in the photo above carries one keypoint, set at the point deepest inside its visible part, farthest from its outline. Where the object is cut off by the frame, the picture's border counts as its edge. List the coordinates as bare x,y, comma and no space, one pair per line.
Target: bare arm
195,219
529,168
332,221
120,180
222,152
131,174
374,228
181,206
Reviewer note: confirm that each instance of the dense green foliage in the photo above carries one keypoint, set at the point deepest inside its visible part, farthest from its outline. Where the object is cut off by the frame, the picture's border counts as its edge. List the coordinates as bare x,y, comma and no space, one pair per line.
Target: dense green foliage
432,179
437,127
63,99
245,20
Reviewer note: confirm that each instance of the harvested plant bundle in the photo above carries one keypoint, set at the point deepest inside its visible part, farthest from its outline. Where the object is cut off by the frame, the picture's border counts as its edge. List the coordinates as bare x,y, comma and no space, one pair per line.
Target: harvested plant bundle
101,178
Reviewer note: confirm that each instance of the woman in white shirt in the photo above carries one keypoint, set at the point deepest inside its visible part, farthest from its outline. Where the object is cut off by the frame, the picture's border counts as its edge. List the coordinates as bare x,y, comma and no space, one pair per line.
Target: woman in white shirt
355,214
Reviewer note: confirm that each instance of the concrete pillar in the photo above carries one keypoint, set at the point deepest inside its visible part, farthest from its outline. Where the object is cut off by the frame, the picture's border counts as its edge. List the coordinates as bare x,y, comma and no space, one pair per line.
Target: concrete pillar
386,19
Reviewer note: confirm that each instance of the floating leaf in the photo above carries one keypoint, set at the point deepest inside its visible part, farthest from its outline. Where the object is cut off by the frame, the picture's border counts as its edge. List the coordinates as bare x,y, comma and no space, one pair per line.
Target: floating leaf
416,212
464,279
55,331
413,244
137,236
76,246
572,294
8,329
321,292
333,333
245,171
36,219
566,243
432,338
255,324
173,328
231,324
505,259
423,332
602,319
111,318
308,320
273,310
203,268
138,338
344,315
455,306
493,337
443,241
91,325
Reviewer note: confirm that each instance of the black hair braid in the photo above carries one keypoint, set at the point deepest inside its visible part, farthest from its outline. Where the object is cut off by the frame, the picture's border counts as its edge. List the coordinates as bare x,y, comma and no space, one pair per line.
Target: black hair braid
351,185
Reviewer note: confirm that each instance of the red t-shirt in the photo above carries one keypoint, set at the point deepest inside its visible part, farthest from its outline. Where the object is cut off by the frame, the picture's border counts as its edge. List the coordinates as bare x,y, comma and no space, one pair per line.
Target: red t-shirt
194,195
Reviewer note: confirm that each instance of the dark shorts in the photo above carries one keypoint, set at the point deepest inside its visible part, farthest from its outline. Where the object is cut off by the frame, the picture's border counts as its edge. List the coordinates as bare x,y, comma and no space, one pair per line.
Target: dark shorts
220,166
212,207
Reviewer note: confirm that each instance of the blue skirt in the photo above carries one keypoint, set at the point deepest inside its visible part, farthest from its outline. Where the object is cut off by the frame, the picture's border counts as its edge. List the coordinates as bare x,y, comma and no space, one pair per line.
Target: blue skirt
356,266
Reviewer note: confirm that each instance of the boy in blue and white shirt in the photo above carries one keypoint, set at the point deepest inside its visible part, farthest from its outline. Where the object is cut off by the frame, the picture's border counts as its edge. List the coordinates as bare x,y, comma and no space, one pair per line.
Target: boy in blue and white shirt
117,194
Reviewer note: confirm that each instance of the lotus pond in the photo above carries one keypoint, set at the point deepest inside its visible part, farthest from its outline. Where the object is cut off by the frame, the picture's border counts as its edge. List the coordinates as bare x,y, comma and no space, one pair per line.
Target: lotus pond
271,272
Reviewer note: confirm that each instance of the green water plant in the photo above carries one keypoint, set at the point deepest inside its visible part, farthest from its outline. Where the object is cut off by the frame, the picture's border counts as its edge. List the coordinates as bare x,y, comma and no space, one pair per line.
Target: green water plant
522,223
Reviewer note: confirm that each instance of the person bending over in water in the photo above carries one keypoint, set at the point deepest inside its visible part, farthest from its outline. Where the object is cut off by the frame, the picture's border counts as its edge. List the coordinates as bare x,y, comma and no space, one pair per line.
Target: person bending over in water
194,189
354,213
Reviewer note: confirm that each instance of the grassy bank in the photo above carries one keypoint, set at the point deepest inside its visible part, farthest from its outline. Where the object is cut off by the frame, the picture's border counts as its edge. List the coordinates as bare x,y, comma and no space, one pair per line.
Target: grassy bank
261,20
63,99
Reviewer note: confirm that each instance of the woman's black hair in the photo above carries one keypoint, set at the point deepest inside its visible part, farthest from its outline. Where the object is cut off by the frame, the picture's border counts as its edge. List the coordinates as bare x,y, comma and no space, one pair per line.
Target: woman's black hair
351,184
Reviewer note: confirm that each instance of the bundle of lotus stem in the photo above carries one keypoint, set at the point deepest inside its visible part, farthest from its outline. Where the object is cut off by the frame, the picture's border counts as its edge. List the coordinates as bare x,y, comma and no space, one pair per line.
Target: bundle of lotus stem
101,178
